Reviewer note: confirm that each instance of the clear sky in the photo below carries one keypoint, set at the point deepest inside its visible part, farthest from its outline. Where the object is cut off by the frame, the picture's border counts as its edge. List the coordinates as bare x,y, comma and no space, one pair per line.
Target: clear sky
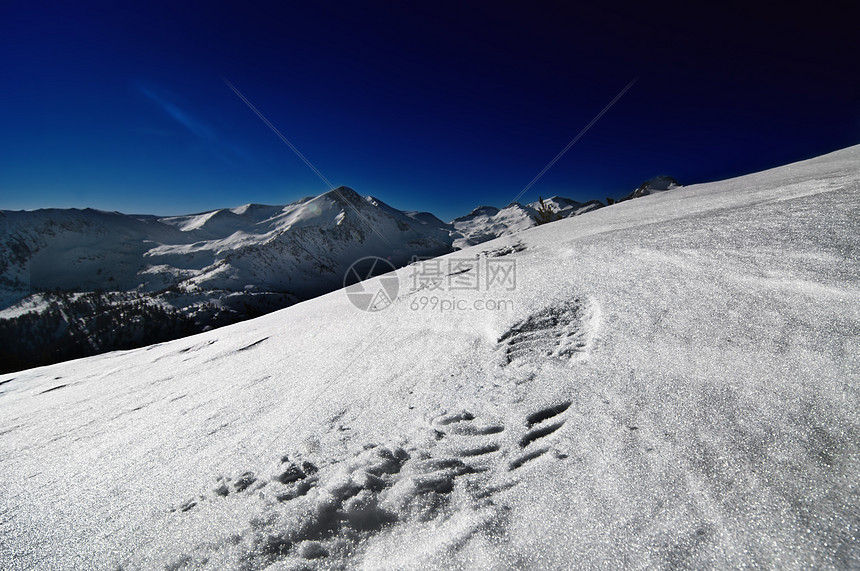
429,106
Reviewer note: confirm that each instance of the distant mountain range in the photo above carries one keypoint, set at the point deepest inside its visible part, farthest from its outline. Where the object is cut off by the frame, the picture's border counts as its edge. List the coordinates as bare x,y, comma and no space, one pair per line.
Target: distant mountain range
298,249
487,222
111,280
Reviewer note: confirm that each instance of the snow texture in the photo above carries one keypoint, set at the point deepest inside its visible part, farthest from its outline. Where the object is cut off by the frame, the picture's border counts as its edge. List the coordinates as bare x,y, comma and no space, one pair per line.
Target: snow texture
675,383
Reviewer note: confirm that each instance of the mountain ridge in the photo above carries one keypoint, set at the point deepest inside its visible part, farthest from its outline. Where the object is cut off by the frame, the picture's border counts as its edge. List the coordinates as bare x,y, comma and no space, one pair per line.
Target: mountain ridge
214,267
667,384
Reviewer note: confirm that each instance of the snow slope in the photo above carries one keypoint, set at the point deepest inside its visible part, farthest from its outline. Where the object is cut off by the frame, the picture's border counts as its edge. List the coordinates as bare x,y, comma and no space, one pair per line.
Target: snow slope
70,248
671,382
194,272
487,222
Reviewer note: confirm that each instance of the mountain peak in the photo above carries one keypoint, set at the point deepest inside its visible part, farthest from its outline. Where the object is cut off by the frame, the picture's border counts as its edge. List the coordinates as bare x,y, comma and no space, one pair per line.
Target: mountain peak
662,182
652,185
483,211
344,193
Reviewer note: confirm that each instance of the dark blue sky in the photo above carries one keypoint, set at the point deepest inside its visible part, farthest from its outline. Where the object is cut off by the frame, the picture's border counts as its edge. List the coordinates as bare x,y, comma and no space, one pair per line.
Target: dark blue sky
431,106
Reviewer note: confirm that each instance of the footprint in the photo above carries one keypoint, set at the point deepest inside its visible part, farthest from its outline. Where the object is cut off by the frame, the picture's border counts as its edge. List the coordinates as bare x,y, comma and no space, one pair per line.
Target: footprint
478,451
537,422
468,442
323,508
439,464
463,423
294,472
518,462
320,508
559,331
546,413
539,428
472,430
540,432
438,474
244,481
298,490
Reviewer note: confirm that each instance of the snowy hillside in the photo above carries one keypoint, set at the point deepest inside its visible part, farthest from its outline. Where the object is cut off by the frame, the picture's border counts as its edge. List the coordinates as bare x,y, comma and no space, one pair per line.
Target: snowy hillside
299,248
669,383
194,272
487,222
74,283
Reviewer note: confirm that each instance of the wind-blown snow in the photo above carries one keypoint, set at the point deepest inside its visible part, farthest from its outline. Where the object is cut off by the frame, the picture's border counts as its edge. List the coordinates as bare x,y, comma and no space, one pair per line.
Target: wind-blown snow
673,382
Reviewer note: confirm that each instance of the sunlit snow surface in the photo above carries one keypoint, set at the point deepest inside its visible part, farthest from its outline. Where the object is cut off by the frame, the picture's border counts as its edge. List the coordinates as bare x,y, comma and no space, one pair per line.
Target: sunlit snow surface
675,385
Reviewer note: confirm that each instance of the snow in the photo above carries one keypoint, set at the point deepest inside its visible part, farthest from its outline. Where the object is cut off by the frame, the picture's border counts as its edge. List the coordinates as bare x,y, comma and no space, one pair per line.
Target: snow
652,186
673,382
488,222
302,248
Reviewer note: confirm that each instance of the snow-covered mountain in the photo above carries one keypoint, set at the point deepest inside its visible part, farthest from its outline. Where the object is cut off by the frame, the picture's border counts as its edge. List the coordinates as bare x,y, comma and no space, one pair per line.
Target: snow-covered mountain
668,383
487,222
191,272
301,248
657,184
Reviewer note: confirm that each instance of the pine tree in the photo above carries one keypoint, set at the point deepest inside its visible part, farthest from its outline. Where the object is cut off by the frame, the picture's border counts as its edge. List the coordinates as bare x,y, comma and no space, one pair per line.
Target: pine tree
546,213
